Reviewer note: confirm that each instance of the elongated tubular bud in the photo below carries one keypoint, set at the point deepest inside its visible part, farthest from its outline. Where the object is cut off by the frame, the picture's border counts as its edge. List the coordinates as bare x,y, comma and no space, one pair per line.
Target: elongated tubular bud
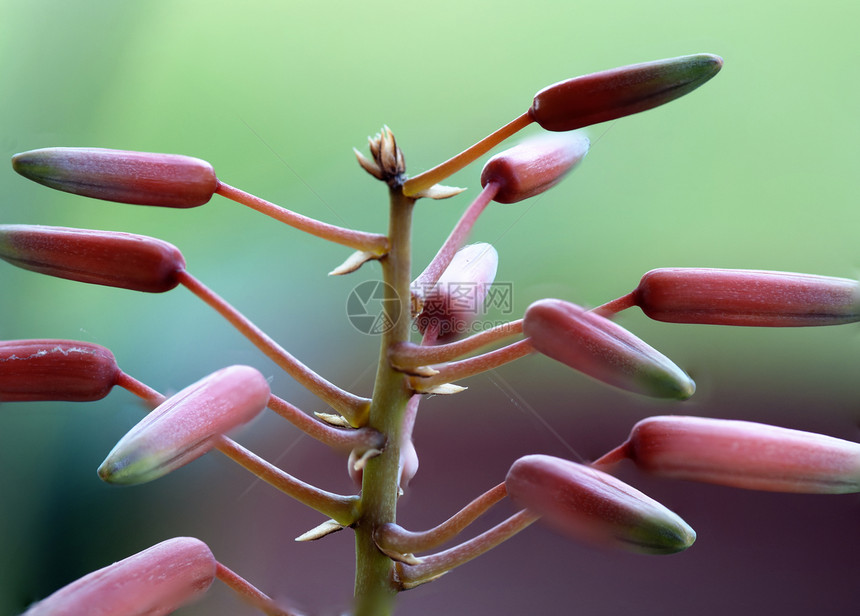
747,297
187,425
154,582
596,346
744,454
619,92
533,166
61,370
142,178
457,298
109,258
592,506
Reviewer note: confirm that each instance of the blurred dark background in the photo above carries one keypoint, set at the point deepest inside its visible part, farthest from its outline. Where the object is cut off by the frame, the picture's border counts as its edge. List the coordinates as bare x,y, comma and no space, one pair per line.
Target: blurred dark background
756,170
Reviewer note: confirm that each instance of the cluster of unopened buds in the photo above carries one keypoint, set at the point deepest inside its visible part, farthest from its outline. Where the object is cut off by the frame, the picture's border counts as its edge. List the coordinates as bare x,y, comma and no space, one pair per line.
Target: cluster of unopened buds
584,501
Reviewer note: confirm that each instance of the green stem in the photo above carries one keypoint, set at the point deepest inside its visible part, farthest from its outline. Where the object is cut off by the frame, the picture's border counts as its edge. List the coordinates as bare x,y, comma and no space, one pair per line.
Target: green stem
375,582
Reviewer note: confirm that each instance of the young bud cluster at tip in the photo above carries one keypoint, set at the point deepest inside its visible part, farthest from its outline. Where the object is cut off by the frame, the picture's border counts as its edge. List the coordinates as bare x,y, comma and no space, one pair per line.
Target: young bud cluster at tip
110,258
619,92
592,506
187,425
533,166
59,370
596,346
744,454
154,582
142,178
456,300
747,297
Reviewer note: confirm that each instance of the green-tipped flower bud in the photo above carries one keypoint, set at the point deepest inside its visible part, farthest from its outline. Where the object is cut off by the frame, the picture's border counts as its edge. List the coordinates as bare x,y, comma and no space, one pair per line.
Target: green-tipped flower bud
187,425
61,370
604,350
110,258
592,506
747,297
744,454
142,178
154,582
533,166
619,92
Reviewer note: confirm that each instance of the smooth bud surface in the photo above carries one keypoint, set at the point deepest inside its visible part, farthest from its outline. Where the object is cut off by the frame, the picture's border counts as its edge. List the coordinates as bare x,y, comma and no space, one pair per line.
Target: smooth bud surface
187,425
142,178
154,582
747,297
596,346
109,258
618,92
61,370
533,166
456,300
744,454
592,506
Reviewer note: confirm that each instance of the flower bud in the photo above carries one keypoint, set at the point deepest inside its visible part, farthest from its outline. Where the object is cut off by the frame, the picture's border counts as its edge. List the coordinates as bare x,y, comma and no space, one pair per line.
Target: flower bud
61,370
143,178
154,582
533,166
456,300
747,297
744,454
187,425
590,505
619,92
596,346
110,258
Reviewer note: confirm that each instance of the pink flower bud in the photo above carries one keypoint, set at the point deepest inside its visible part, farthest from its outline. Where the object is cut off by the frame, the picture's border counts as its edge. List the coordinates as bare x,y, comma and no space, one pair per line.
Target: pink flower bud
596,346
592,506
533,166
619,92
108,258
154,582
743,454
457,299
187,425
143,178
63,370
747,297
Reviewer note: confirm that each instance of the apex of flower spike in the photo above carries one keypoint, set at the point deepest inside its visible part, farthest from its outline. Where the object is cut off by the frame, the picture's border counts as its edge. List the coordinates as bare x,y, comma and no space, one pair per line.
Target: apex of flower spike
456,300
596,346
747,297
61,370
533,166
143,178
110,258
592,506
388,163
154,582
744,454
187,425
619,92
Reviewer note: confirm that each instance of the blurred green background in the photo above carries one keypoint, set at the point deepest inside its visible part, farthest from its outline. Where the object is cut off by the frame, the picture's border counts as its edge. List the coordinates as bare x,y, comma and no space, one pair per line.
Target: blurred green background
755,170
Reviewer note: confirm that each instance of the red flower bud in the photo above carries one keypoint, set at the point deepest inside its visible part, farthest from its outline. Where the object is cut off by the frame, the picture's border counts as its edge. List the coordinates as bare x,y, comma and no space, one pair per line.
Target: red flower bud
533,166
743,454
747,297
108,258
619,92
456,300
592,506
62,370
143,178
154,582
187,425
596,346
